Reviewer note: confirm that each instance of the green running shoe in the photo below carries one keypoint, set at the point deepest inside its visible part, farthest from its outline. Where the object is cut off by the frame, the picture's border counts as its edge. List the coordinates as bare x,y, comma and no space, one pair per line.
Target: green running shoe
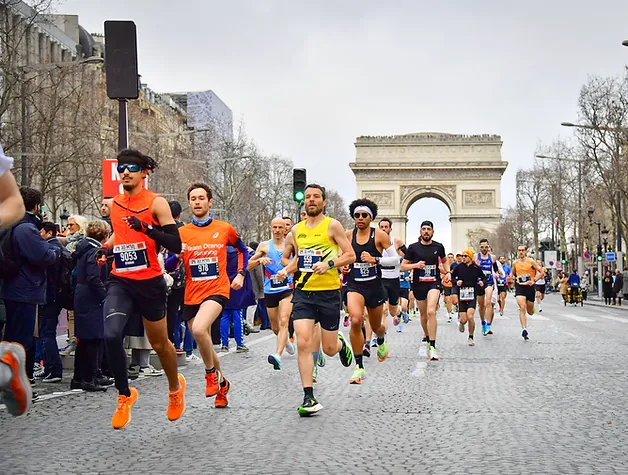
357,376
382,352
309,407
315,373
322,359
346,354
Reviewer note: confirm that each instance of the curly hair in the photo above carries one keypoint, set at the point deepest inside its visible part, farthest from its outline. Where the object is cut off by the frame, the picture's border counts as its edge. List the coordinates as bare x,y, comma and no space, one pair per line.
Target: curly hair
98,230
146,162
363,202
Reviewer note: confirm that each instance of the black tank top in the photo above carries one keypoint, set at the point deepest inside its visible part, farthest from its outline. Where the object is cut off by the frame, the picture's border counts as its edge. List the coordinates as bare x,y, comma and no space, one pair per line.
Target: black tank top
362,273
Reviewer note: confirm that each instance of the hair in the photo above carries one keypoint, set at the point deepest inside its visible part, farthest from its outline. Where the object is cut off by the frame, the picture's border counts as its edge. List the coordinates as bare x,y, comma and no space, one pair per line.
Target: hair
175,208
387,220
81,221
31,197
197,185
483,240
253,245
524,245
363,202
146,162
50,227
98,230
318,187
287,217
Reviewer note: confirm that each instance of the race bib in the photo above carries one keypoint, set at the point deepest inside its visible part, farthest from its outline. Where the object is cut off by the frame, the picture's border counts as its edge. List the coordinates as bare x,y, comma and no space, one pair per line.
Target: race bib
364,271
130,257
467,294
487,272
307,258
428,274
205,268
524,278
276,283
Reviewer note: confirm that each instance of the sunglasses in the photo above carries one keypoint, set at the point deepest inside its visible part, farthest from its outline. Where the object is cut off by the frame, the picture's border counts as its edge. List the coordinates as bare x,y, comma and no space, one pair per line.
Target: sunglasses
484,247
361,215
131,167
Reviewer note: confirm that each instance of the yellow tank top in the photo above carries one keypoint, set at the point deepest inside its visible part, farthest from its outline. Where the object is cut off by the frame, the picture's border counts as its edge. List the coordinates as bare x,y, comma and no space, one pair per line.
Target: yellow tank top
314,246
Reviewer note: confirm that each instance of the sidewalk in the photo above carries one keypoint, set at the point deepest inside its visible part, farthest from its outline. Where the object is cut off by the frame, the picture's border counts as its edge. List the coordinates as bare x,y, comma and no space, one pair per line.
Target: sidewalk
594,300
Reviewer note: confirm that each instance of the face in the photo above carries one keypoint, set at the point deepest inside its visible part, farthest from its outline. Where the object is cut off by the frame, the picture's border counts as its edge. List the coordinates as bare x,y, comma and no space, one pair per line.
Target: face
278,228
427,233
44,234
385,226
466,259
450,257
72,226
484,248
458,258
314,202
362,219
105,208
303,216
287,225
522,251
502,260
199,204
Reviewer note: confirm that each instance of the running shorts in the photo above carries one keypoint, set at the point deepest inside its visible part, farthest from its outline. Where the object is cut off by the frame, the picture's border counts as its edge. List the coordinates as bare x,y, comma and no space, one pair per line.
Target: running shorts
526,290
373,294
421,290
391,290
447,291
322,306
137,297
502,289
467,304
272,300
539,288
404,293
190,311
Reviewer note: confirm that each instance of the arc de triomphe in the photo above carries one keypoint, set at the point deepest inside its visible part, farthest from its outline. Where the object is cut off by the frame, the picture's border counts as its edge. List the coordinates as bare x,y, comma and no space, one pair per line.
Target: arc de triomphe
463,171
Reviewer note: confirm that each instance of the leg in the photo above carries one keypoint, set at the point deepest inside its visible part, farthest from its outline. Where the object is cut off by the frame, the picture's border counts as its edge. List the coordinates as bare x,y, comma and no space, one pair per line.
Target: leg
283,320
482,307
489,309
433,296
48,321
238,327
304,329
157,333
423,311
208,312
225,326
521,301
144,358
79,360
355,305
175,300
470,315
273,316
118,307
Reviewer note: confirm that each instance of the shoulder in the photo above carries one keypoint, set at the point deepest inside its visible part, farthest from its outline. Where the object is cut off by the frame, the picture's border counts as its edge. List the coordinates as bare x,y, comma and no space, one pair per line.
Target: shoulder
335,226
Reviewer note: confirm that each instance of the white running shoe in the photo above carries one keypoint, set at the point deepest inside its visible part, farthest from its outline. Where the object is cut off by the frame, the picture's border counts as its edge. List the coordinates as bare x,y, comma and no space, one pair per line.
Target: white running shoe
289,347
431,354
471,342
150,370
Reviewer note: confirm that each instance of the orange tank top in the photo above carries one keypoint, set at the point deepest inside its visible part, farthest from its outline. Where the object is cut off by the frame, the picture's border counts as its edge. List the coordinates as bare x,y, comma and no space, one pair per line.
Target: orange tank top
135,254
524,270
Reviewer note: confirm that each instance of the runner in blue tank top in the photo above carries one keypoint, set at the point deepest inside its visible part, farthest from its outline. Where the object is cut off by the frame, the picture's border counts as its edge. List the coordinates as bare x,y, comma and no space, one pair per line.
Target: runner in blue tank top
486,261
277,293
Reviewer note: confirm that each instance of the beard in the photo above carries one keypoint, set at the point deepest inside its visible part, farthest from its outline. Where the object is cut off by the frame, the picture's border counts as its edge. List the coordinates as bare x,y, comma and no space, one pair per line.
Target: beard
128,187
314,212
426,238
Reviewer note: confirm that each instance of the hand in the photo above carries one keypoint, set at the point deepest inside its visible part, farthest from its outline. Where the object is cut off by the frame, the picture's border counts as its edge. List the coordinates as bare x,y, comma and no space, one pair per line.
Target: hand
320,267
366,257
238,282
459,283
447,278
136,225
282,275
420,265
346,269
101,257
481,283
265,261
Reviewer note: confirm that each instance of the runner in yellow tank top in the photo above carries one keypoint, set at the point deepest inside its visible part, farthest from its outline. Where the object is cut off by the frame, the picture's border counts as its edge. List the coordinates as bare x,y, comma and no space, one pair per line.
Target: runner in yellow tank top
315,243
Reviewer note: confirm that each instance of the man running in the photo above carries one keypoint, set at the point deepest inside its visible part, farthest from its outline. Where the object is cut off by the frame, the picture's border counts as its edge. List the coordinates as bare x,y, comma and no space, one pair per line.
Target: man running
467,276
486,261
390,273
288,223
539,284
426,257
364,283
315,243
454,289
15,389
447,290
207,287
141,222
404,298
502,284
524,270
277,294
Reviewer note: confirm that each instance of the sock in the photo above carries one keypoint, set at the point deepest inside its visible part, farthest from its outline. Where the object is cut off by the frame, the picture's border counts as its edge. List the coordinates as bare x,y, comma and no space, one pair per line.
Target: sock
6,374
223,383
315,357
483,322
433,343
380,340
210,371
358,360
126,392
470,337
309,392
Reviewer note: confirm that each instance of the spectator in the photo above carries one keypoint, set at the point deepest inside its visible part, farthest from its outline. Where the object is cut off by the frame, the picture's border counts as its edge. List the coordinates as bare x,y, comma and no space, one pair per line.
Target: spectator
90,293
607,287
257,278
48,317
585,286
77,227
177,291
618,287
27,289
563,282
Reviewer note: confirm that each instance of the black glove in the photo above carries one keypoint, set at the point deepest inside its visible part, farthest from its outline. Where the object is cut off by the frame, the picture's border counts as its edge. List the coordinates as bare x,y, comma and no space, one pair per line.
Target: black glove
137,225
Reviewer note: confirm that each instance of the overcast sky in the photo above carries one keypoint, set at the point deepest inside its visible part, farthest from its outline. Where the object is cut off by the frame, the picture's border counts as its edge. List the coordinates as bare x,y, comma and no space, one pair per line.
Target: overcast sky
307,78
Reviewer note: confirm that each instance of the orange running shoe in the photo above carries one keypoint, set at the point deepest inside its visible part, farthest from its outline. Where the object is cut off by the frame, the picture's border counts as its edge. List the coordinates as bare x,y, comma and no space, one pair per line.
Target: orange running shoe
292,339
122,417
221,397
176,401
212,381
18,395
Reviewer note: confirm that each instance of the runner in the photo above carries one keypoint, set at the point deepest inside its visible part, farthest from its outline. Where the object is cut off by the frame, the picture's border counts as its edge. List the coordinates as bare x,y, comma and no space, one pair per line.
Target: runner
364,283
426,257
467,277
524,270
15,389
454,289
141,222
539,284
390,273
502,284
486,261
288,223
277,294
315,242
447,290
405,282
207,288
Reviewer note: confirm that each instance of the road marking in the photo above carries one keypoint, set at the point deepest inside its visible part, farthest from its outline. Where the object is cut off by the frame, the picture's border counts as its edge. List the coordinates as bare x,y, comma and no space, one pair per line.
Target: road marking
537,317
615,319
419,371
576,318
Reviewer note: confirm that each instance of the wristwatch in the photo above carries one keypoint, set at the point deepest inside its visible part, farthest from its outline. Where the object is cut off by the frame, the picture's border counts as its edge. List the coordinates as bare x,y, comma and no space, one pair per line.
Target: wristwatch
242,272
330,263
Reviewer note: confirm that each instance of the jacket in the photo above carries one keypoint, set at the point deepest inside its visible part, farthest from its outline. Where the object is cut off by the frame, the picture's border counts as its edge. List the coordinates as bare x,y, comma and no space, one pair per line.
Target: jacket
90,291
53,272
257,277
243,298
34,256
618,285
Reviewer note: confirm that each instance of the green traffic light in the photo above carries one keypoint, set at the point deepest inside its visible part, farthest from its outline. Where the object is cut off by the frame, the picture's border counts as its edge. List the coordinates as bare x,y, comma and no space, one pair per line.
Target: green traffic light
299,195
599,258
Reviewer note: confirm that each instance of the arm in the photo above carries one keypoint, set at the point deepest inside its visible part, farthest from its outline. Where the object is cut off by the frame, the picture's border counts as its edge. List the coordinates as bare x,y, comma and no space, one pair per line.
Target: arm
92,275
33,248
11,204
171,262
259,257
290,249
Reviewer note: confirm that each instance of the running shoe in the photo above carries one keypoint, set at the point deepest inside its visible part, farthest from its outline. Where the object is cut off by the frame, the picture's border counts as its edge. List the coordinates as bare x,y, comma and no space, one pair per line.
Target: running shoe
399,328
322,359
224,349
406,318
212,383
315,374
346,322
193,357
367,350
524,334
382,352
396,321
471,342
18,395
180,351
151,371
221,397
484,328
176,401
431,354
289,347
357,376
39,371
309,407
122,417
374,343
346,355
449,318
242,349
540,309
461,327
488,329
501,313
275,360
51,379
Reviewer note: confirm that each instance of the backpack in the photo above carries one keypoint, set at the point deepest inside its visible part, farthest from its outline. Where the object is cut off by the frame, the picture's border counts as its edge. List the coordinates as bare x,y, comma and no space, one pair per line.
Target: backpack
9,260
67,279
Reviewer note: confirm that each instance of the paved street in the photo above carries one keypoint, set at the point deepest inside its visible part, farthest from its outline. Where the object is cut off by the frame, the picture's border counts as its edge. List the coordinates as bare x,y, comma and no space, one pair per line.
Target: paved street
555,404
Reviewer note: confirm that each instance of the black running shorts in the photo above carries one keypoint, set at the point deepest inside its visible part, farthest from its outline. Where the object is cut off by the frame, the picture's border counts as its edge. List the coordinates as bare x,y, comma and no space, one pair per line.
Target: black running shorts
467,304
421,290
526,290
391,290
190,311
322,306
272,300
539,288
447,291
502,289
404,293
137,297
373,294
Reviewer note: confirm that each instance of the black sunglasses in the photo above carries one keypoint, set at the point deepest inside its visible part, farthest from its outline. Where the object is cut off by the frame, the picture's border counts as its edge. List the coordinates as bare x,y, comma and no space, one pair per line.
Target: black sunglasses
131,167
361,215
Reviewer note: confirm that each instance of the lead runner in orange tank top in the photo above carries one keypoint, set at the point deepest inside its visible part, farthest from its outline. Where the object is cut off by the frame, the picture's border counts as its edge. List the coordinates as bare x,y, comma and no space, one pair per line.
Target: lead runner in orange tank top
142,223
524,269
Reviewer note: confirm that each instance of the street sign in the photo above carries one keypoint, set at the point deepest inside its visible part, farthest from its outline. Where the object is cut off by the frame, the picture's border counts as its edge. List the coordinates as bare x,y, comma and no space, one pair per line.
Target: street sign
550,259
111,183
559,266
610,257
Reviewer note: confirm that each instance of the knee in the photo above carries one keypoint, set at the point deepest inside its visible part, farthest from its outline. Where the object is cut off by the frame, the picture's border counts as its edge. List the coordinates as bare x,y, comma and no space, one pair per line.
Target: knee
330,348
357,320
198,332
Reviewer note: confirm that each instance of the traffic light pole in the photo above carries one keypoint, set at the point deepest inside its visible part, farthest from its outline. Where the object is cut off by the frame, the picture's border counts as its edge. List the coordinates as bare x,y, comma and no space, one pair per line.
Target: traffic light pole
599,279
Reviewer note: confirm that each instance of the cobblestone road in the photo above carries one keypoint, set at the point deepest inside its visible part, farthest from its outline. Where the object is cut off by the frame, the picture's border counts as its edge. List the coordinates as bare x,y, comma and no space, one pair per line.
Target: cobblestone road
555,404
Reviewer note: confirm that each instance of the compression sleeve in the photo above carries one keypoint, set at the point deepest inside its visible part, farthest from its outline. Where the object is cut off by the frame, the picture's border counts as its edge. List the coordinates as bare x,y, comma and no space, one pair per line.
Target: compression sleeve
171,262
390,257
167,236
243,257
403,248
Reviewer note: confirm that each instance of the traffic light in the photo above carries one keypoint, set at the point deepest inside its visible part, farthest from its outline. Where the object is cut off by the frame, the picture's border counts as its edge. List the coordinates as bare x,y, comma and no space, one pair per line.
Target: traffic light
600,258
299,180
562,258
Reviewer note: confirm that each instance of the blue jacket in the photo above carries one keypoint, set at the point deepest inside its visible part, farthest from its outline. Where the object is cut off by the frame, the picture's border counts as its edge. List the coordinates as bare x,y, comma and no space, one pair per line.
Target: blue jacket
53,272
90,291
34,256
244,297
574,280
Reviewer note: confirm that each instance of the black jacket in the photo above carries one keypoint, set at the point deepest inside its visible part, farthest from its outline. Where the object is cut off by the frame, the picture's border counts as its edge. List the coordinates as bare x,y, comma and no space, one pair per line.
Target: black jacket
90,291
469,275
618,286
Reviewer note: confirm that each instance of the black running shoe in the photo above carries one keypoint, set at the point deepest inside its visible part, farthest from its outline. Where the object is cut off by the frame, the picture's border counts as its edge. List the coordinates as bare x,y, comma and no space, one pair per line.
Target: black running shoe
309,407
366,351
346,354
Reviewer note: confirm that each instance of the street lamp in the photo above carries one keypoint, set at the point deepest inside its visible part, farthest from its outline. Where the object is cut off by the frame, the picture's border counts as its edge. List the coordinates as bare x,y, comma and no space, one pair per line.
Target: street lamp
64,217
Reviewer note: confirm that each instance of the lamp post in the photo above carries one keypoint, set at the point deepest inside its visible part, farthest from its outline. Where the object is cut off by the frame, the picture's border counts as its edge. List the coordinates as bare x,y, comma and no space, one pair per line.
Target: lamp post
64,217
590,212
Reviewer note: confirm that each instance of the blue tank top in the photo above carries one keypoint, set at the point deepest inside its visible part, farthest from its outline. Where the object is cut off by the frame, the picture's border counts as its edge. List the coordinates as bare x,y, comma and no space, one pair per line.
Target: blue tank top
487,267
272,285
403,283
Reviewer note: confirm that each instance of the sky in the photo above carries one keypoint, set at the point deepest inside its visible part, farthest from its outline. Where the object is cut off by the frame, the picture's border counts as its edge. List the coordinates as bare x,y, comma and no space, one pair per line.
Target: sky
306,78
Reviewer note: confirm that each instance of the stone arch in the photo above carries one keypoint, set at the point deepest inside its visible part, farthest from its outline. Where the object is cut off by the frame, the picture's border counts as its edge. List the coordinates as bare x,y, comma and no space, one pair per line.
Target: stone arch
427,191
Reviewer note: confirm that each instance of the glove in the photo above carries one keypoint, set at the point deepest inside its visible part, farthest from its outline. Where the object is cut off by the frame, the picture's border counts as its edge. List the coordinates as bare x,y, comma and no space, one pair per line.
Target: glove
137,225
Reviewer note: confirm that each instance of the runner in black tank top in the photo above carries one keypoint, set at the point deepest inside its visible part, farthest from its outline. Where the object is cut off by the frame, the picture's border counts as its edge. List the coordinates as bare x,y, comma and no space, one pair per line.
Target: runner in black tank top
364,277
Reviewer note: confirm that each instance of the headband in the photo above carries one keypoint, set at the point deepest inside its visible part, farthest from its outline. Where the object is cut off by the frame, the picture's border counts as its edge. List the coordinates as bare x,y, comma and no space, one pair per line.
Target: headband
364,208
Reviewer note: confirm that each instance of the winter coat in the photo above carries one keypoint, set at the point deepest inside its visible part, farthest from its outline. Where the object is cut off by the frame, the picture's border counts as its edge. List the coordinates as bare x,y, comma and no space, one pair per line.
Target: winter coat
257,277
243,298
618,285
90,291
607,286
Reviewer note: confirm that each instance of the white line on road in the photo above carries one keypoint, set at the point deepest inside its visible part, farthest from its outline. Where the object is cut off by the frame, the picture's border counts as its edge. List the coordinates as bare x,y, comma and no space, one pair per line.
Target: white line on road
419,371
537,317
576,318
615,319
